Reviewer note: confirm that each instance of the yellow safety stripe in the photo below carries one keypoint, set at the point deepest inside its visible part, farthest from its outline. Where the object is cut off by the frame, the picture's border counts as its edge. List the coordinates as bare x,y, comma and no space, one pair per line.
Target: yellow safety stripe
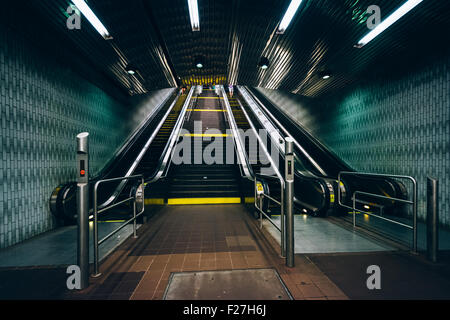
205,110
197,135
184,201
209,98
249,199
154,201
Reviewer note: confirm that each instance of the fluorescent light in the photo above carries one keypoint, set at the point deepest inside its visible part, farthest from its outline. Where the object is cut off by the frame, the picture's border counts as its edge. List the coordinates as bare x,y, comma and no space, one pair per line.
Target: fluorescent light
193,13
199,65
400,12
92,18
327,76
290,12
131,72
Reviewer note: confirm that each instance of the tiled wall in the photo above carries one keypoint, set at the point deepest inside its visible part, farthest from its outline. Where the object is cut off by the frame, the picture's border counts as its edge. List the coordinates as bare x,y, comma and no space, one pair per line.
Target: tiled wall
397,126
43,106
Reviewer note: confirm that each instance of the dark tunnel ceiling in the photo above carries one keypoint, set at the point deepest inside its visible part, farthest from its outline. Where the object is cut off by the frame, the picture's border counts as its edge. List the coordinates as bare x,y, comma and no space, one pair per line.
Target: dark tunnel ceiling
156,38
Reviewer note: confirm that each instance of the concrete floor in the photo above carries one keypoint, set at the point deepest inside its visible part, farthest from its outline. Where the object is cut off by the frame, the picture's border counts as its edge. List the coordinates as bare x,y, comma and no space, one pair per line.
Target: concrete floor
400,233
59,247
318,235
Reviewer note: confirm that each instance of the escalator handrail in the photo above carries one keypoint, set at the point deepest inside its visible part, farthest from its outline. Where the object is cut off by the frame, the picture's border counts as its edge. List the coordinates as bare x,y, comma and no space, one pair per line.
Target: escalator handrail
170,146
329,153
280,126
141,154
244,162
133,137
263,147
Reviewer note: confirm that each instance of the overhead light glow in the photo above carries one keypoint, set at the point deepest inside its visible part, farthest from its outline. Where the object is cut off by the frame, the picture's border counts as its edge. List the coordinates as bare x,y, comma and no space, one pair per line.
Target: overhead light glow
400,12
199,65
92,18
288,16
193,13
327,76
131,72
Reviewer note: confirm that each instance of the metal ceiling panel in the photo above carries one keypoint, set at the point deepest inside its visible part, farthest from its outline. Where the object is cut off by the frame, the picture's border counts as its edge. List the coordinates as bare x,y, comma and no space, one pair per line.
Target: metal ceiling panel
156,38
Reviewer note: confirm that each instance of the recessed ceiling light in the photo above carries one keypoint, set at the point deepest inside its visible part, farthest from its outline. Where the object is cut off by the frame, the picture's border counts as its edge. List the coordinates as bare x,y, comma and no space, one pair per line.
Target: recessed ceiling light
193,14
288,16
130,70
400,12
263,63
92,18
325,74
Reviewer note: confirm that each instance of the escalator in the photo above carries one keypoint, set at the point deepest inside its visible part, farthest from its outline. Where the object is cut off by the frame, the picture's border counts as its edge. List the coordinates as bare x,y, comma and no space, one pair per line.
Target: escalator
204,176
315,161
141,155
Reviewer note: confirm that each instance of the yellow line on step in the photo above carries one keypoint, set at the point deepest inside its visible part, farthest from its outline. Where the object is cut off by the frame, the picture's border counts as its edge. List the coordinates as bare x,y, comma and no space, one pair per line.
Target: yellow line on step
185,201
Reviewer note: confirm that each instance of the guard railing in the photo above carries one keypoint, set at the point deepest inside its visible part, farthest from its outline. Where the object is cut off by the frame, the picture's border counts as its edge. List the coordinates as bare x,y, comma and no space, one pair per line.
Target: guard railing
354,199
131,198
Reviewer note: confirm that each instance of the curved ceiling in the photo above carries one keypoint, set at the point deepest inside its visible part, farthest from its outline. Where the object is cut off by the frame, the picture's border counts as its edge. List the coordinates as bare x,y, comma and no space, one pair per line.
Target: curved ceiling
156,38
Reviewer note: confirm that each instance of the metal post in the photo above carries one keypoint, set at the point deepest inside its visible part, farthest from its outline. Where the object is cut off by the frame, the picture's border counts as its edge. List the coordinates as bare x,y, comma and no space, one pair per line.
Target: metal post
289,200
432,219
134,218
354,210
415,196
96,272
83,207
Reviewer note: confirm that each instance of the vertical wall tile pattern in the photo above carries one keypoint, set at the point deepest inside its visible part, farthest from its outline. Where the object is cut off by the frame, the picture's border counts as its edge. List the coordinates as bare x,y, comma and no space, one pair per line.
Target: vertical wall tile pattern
396,126
43,107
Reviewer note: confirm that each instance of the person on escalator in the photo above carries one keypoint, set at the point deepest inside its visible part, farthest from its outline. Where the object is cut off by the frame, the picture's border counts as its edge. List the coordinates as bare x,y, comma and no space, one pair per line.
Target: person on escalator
230,89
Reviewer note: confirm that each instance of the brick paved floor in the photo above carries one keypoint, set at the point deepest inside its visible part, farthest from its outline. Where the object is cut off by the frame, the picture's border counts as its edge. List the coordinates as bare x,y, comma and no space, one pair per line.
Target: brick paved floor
198,238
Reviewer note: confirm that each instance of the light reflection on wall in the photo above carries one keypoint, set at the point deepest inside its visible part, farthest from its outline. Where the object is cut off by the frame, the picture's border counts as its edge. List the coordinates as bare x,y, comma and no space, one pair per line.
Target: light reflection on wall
280,65
234,60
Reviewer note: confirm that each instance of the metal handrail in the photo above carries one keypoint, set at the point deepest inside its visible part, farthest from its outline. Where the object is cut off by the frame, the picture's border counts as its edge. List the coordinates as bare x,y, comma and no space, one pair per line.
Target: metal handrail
262,211
377,175
96,212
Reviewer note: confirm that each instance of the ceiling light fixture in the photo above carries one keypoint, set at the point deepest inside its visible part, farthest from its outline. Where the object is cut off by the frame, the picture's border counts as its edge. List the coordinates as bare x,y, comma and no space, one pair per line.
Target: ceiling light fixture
288,16
263,63
130,70
92,18
199,62
325,74
400,12
193,13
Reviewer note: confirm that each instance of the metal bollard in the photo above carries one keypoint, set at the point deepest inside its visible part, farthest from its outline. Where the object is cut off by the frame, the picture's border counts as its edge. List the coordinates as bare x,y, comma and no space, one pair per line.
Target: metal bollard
432,219
83,207
289,201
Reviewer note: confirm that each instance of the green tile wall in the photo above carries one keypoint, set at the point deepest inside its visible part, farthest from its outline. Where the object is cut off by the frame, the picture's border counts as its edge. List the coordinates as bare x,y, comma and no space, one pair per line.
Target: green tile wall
43,106
398,126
